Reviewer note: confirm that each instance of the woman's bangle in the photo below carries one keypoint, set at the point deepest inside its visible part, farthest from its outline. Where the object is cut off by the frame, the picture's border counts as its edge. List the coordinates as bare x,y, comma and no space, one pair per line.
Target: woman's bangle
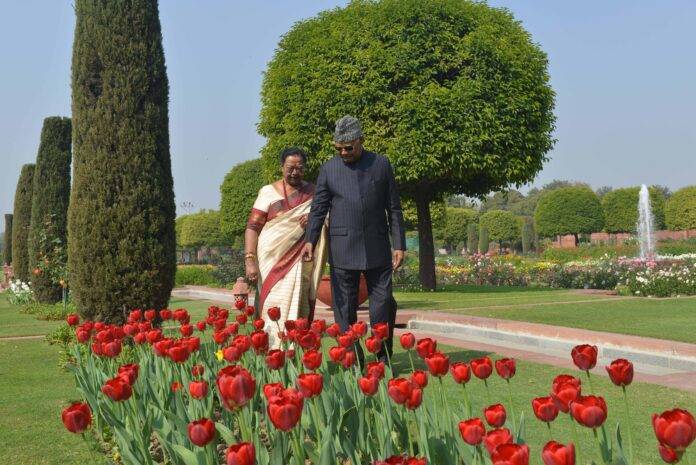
249,255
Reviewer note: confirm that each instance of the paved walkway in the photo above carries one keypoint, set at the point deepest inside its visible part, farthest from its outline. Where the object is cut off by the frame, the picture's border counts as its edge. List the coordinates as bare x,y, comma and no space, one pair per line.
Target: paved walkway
657,361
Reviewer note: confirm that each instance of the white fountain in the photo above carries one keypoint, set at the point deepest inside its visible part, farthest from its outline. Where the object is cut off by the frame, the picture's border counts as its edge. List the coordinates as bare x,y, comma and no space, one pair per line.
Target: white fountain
646,225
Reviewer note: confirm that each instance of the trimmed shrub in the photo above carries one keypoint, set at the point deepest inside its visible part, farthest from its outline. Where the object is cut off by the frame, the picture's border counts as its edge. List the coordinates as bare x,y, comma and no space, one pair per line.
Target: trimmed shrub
49,211
456,221
7,240
568,210
237,195
680,212
527,237
472,238
196,275
121,240
484,241
502,225
21,221
621,209
201,230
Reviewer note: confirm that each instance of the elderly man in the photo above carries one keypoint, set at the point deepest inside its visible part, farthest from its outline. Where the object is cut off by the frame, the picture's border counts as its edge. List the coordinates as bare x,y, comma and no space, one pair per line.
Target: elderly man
358,189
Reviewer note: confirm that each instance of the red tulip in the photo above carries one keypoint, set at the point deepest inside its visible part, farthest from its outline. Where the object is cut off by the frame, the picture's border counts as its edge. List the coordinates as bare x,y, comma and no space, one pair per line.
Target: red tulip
82,336
511,454
198,389
401,460
201,326
337,354
472,431
495,415
135,315
112,349
275,359
77,417
285,409
359,329
584,356
373,344
590,411
176,385
438,364
272,389
425,347
460,372
197,370
302,324
250,310
415,399
375,369
668,454
241,454
381,330
675,428
259,341
186,330
166,314
311,359
117,389
318,327
236,386
308,339
420,378
345,340
482,367
310,384
73,319
239,304
349,359
496,437
161,347
181,315
564,390
620,372
139,338
243,342
555,453
129,372
201,432
505,367
242,318
333,330
545,408
150,315
179,353
399,389
407,340
368,385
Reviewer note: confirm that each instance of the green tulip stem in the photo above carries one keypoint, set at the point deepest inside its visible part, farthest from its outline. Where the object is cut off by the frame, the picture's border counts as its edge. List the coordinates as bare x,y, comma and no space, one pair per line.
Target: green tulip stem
410,442
629,430
467,401
548,424
589,380
445,411
575,438
512,407
488,391
386,352
315,414
298,451
599,444
410,359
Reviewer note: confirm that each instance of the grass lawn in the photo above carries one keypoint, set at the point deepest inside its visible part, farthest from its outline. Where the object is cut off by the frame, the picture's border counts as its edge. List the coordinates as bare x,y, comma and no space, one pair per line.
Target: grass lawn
669,318
14,323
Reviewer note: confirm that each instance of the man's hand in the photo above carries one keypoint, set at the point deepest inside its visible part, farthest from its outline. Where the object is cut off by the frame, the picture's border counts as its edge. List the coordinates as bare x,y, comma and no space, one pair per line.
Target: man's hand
397,259
303,221
308,252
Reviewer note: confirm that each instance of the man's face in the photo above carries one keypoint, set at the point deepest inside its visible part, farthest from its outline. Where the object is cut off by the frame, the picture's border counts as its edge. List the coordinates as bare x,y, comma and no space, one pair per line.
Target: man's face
351,151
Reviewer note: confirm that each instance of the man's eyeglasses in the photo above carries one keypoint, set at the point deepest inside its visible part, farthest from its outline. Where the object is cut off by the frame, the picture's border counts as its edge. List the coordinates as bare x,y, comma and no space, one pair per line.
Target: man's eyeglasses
347,148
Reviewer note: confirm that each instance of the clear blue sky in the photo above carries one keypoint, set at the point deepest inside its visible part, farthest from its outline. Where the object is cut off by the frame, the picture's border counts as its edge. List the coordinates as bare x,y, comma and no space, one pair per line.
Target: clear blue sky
624,74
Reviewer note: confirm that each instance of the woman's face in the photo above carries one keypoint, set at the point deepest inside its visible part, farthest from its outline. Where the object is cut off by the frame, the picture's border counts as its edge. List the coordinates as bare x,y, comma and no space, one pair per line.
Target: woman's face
293,170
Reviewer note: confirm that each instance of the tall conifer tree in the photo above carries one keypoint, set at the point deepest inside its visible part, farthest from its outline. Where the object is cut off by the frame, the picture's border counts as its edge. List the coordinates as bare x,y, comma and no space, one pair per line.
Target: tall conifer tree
20,223
7,240
49,210
121,241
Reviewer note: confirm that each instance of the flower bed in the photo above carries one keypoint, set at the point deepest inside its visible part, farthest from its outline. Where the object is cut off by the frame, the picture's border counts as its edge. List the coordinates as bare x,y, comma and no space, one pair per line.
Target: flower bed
175,400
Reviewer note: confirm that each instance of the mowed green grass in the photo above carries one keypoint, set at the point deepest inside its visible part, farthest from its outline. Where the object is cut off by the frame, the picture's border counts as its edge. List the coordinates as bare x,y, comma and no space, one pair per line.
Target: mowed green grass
670,318
14,323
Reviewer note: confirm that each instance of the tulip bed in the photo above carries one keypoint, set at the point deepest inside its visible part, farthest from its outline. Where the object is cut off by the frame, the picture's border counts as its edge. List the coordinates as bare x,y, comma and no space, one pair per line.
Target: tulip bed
167,399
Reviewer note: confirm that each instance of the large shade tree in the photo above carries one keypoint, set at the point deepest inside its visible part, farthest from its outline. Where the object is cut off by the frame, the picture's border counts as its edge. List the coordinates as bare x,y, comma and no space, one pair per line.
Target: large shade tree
21,221
454,93
49,211
568,210
121,240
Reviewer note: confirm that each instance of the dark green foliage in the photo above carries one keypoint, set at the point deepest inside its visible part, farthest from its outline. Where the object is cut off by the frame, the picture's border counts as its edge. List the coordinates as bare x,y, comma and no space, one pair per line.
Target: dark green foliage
484,240
454,93
49,212
456,221
200,229
527,237
7,240
437,214
621,209
237,195
568,210
121,218
502,225
472,237
21,221
680,212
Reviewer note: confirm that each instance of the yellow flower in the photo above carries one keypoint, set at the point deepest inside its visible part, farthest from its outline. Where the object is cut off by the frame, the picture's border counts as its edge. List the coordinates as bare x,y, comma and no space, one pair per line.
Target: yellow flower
219,355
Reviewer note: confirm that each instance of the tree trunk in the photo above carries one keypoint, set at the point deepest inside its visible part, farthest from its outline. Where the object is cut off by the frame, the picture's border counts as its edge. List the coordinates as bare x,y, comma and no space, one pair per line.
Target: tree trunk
426,254
576,239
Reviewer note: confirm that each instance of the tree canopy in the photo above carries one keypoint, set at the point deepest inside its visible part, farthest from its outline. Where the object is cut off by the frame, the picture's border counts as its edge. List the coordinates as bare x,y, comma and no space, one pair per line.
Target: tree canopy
455,230
502,225
21,220
621,209
568,210
237,195
200,229
456,94
680,213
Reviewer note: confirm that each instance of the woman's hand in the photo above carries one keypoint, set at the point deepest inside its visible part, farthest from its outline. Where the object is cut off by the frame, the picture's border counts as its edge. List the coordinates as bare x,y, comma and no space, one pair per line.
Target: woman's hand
303,221
252,271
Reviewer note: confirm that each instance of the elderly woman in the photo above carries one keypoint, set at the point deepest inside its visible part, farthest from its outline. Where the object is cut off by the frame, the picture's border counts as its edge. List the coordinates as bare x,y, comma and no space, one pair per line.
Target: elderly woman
274,240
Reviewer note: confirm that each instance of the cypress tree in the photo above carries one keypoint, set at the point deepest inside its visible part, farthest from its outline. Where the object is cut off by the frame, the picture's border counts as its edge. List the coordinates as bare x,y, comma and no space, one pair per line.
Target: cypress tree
484,241
527,237
21,221
121,240
49,210
471,238
7,240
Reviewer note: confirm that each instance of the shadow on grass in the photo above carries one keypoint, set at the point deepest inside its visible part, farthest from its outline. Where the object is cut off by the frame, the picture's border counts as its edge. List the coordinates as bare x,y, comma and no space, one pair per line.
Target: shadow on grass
474,289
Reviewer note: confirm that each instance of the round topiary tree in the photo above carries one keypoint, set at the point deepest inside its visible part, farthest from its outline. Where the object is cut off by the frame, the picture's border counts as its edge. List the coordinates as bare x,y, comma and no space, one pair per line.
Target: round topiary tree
568,210
21,221
455,228
202,229
49,211
456,94
237,195
7,240
121,240
680,212
621,209
502,225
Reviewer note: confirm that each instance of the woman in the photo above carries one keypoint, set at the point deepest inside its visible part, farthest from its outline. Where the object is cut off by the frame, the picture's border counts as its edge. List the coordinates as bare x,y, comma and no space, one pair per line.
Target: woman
274,240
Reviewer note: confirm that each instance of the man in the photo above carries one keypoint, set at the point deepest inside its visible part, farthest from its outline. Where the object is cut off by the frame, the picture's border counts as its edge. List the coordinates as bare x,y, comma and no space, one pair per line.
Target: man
358,190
